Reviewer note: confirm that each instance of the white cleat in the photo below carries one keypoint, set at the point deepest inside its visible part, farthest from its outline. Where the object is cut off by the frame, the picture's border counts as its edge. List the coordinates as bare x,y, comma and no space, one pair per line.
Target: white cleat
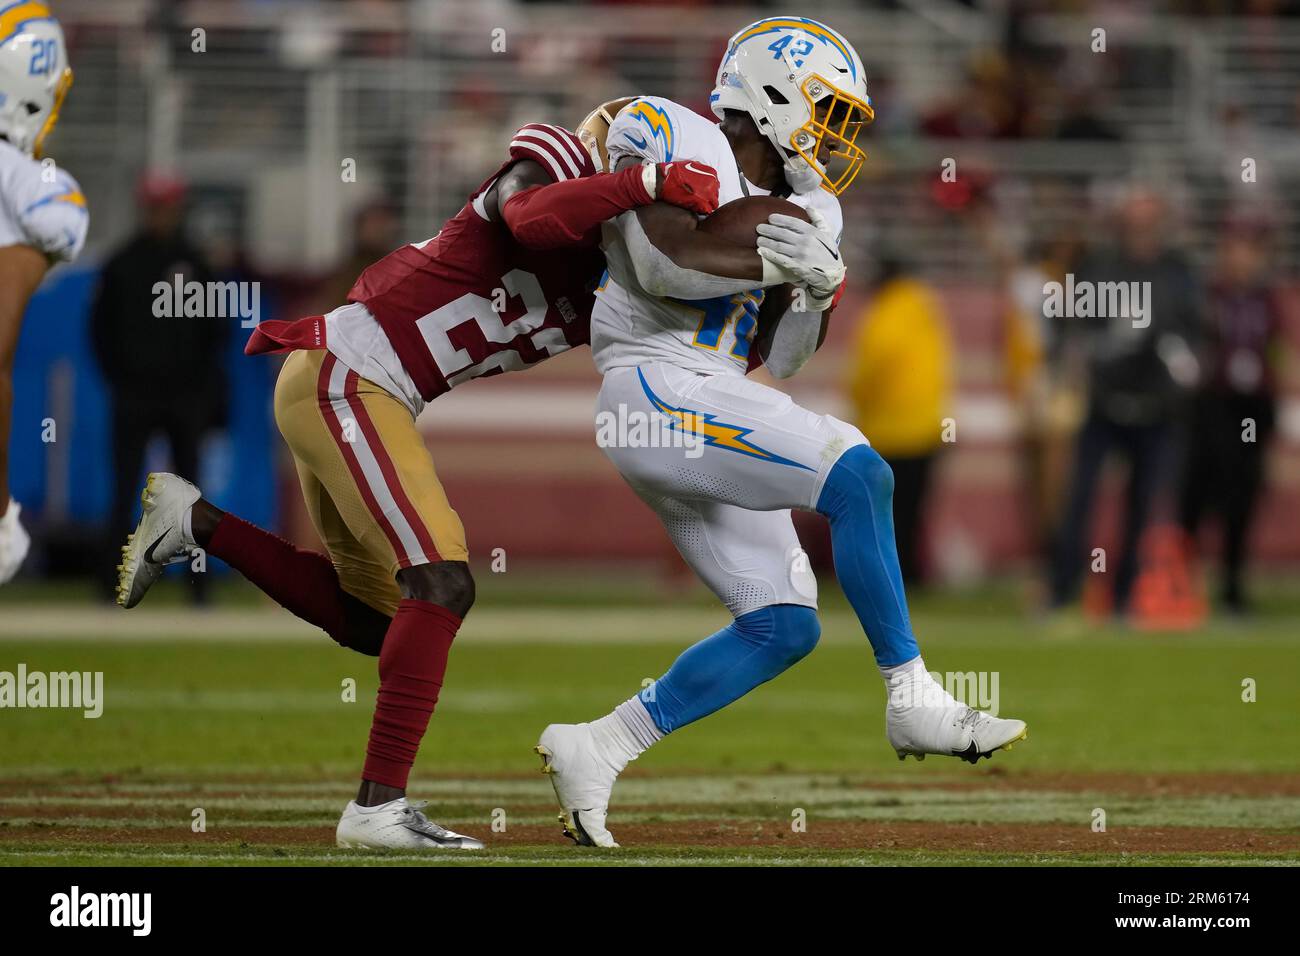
14,542
923,718
396,825
159,538
583,779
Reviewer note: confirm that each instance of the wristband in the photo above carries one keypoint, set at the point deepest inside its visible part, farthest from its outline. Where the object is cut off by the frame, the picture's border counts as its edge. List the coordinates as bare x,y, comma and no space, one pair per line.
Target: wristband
650,179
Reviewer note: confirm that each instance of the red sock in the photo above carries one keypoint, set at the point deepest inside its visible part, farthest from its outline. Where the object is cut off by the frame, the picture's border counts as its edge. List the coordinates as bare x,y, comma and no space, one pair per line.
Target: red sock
411,667
305,582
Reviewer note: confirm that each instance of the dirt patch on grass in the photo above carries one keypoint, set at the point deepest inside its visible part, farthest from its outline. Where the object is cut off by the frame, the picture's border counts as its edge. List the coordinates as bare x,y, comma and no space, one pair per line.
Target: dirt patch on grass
67,803
992,778
739,833
1126,784
995,838
55,836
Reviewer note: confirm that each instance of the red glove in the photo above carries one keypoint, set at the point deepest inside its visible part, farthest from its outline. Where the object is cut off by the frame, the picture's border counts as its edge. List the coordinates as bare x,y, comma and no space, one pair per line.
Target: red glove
691,185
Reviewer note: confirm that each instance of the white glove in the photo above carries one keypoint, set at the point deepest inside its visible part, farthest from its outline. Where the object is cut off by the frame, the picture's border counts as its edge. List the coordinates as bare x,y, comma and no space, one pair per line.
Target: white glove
14,542
807,252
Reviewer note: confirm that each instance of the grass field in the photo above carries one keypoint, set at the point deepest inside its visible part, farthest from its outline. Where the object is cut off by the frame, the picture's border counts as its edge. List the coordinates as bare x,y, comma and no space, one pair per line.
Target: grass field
240,712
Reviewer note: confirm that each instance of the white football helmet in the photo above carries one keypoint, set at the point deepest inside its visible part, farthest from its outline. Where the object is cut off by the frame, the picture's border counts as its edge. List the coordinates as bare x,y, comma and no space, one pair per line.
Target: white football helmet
804,86
34,74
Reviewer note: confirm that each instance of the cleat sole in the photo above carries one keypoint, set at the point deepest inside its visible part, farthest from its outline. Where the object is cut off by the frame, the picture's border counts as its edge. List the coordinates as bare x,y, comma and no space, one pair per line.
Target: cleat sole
545,755
972,756
570,824
570,830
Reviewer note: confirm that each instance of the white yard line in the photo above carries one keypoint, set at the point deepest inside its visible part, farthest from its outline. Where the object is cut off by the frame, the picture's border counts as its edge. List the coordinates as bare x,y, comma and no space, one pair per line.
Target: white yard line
508,625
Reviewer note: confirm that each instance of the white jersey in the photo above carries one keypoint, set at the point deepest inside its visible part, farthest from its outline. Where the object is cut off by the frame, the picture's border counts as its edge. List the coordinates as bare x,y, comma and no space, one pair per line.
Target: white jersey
630,327
40,206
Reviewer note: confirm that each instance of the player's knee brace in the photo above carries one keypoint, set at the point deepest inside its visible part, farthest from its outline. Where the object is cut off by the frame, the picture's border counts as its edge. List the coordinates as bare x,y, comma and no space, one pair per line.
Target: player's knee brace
790,631
859,474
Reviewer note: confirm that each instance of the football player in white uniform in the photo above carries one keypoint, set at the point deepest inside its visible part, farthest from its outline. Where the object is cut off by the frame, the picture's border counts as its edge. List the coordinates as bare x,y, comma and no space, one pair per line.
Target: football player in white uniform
43,215
672,331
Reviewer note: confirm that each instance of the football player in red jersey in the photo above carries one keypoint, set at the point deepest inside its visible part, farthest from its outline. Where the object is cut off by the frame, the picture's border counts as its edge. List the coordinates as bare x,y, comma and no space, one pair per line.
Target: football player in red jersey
508,282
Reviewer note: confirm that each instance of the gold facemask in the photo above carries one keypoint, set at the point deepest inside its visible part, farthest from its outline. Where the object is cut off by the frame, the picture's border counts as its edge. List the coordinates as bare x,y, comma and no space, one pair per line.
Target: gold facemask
60,94
837,117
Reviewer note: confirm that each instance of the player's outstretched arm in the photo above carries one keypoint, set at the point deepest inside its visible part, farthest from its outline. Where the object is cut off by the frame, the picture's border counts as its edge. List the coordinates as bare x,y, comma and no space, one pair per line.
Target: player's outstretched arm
542,214
21,270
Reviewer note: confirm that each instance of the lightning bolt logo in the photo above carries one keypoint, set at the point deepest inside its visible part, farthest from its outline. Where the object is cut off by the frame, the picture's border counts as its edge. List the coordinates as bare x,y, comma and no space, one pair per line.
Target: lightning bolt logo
15,16
658,124
818,31
716,434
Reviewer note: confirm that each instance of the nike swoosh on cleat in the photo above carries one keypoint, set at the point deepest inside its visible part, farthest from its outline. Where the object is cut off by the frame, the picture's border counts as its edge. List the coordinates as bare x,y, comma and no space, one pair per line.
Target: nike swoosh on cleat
971,754
149,554
436,840
585,837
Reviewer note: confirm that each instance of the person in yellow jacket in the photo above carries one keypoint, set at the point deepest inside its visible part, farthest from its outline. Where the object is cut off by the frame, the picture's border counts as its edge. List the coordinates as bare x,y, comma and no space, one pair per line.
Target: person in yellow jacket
900,385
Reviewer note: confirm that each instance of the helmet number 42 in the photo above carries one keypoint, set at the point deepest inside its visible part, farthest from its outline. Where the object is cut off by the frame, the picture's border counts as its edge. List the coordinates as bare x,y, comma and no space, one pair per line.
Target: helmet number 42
800,49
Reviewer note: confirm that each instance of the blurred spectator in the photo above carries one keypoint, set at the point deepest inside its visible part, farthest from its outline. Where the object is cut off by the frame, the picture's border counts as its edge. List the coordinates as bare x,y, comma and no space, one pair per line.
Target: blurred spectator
1081,117
900,383
1046,394
164,374
986,105
1138,376
376,231
1233,413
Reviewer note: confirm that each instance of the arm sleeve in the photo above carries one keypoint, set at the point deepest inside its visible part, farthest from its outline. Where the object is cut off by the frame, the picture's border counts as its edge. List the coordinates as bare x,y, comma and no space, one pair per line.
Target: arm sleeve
796,338
53,214
568,213
793,342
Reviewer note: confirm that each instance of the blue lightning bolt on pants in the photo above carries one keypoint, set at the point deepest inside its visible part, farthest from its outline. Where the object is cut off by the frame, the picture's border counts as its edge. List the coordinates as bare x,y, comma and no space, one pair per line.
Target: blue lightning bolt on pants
726,504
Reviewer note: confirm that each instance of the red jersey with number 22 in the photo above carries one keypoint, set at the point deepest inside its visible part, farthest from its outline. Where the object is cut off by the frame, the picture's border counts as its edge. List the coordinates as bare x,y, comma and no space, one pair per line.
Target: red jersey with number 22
472,301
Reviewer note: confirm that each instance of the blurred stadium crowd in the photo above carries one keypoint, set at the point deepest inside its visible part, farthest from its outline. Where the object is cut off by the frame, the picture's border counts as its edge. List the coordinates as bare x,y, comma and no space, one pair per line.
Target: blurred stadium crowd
1014,145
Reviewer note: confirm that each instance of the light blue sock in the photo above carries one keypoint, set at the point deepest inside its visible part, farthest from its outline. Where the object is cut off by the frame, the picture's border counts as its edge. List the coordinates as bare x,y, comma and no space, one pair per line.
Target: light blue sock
726,666
858,498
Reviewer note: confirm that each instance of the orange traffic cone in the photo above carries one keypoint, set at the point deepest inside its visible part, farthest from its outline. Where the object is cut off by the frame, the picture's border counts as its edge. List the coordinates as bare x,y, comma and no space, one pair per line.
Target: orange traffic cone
1169,594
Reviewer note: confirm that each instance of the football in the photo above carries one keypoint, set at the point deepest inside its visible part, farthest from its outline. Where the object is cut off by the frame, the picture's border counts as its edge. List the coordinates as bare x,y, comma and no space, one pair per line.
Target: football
737,220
